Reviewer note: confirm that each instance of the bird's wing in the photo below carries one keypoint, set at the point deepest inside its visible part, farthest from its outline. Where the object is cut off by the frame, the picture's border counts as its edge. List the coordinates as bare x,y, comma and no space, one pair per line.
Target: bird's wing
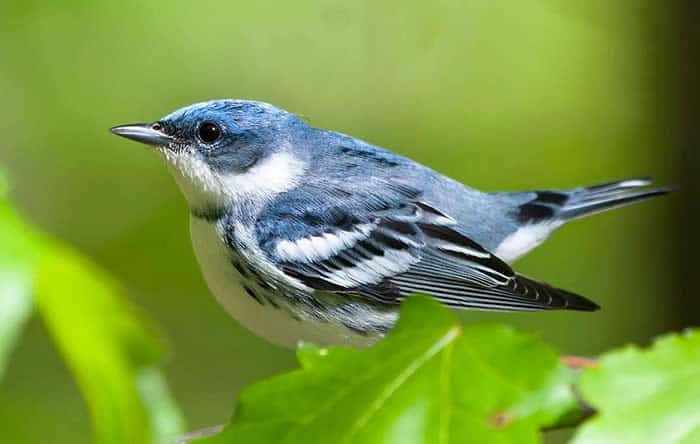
389,244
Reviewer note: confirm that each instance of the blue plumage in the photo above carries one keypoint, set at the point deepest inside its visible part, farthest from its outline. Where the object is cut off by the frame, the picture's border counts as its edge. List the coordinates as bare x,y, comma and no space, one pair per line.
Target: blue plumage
330,229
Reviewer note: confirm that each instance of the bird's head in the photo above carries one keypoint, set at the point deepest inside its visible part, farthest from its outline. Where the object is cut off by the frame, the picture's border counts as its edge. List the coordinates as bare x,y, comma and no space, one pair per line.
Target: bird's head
224,150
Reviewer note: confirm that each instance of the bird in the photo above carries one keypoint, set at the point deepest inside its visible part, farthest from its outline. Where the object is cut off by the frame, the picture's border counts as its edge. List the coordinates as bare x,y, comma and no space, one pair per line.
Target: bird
306,234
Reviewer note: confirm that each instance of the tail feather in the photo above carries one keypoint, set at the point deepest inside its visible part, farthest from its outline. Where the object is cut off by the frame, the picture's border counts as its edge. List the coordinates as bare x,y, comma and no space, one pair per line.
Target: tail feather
597,198
566,205
635,182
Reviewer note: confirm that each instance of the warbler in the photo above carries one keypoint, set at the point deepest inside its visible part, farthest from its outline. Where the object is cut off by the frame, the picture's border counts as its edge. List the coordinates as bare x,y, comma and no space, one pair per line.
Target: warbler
307,234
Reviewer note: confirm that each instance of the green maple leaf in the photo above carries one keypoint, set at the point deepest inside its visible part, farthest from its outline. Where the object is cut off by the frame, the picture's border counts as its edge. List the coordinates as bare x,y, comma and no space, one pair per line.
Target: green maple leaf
430,381
645,396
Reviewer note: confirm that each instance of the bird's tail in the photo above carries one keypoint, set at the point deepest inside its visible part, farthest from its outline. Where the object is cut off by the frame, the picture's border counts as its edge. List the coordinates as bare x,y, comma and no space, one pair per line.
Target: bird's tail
562,206
606,196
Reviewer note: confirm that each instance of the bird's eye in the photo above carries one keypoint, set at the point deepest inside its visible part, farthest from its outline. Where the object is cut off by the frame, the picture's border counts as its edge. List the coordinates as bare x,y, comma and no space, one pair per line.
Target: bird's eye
208,132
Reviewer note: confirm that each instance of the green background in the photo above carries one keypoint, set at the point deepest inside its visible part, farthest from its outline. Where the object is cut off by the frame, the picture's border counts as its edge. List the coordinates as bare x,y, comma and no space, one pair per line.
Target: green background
502,95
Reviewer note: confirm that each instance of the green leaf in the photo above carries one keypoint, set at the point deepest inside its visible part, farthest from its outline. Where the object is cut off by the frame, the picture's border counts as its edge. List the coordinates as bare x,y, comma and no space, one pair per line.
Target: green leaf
18,253
645,396
111,351
108,348
429,381
165,419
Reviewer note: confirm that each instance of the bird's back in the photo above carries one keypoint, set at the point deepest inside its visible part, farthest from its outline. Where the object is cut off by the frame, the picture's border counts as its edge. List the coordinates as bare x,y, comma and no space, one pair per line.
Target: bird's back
352,166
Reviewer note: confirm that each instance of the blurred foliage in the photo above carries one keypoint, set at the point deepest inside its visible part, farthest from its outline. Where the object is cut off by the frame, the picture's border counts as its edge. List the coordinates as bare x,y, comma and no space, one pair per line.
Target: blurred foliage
500,94
18,255
109,349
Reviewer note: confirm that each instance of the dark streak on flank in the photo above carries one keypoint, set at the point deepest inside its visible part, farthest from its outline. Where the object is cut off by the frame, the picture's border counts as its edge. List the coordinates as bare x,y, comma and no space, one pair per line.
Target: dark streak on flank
239,268
263,283
252,294
271,300
355,329
208,214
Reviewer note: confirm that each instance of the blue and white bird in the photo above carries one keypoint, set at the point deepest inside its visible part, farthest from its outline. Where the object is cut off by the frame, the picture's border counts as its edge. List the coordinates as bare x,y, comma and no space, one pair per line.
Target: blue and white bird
307,234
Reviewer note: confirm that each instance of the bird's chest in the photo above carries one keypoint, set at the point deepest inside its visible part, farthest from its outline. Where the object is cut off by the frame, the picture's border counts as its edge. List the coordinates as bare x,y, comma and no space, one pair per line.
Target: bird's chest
254,293
231,258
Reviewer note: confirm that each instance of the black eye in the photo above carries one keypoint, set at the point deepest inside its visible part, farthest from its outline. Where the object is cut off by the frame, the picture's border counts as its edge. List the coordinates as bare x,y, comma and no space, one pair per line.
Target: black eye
208,132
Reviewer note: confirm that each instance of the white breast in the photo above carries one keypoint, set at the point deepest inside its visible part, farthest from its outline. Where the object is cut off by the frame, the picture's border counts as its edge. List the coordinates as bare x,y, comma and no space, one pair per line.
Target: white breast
273,324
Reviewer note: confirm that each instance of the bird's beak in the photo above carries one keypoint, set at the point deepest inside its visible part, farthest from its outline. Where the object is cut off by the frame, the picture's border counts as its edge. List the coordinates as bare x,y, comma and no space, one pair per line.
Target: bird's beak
143,132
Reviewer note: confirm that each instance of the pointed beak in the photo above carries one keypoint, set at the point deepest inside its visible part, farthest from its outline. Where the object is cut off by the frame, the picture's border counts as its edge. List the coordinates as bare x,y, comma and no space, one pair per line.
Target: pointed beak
148,133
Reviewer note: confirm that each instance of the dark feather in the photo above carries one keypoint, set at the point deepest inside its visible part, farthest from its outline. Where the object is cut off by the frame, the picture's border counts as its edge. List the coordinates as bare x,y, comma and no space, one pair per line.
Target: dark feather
566,205
429,256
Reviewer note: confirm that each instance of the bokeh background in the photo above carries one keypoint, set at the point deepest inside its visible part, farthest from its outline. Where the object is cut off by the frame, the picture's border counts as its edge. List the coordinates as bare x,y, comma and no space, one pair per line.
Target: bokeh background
502,95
